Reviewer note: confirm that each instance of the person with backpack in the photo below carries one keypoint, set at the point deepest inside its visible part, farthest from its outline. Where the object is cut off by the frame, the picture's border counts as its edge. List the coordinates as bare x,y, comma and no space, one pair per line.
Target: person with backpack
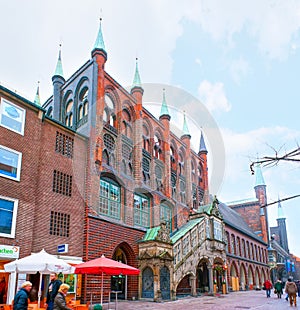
291,290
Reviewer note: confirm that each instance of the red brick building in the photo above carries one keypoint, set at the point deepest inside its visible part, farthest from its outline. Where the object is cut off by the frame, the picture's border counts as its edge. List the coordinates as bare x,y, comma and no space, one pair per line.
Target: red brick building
41,194
97,171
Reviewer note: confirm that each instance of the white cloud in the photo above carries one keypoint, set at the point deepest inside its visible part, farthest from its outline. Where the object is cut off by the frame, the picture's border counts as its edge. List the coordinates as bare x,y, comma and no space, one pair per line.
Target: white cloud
239,68
213,96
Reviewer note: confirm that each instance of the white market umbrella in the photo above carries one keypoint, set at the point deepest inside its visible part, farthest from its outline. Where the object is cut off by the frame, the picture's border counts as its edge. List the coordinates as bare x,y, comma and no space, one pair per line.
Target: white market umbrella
41,262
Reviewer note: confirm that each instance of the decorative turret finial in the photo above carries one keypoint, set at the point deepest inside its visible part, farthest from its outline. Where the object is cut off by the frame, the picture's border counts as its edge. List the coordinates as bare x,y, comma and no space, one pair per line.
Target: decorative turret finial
185,126
280,210
259,176
202,147
137,79
164,108
59,69
37,99
99,44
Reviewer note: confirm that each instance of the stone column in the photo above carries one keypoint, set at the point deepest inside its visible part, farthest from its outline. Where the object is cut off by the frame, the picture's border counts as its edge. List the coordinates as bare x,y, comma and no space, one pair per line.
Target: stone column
210,280
193,285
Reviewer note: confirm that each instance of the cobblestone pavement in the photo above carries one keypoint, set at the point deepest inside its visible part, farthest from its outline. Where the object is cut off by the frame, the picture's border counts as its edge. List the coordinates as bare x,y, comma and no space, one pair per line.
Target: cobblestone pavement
232,301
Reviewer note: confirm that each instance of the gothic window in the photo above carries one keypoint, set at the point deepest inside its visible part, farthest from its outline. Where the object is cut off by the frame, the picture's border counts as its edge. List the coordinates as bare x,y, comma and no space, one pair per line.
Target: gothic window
193,238
157,148
126,163
141,210
182,191
243,248
173,184
193,172
232,243
199,174
218,235
110,117
166,215
109,144
177,253
146,170
227,242
238,246
110,198
186,245
207,228
83,106
181,164
173,158
126,124
201,231
146,142
69,113
159,177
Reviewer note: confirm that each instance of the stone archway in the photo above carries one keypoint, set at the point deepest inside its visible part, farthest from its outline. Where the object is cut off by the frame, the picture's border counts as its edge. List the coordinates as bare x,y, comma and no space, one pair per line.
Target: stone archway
243,279
250,277
202,277
234,277
257,278
147,283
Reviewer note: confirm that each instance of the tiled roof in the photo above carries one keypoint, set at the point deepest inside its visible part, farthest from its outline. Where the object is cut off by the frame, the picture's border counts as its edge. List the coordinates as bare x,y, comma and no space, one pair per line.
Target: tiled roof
235,220
242,201
151,233
185,228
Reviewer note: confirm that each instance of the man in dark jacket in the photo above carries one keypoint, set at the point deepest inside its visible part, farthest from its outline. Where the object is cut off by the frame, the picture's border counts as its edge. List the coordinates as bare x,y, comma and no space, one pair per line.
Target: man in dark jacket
21,298
52,290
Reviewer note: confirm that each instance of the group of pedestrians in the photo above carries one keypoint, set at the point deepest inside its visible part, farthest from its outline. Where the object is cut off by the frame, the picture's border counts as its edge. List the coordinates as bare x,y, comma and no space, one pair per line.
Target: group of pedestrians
291,289
56,295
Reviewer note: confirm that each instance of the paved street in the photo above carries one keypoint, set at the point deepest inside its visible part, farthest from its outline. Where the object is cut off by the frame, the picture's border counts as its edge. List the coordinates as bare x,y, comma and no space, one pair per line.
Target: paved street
237,300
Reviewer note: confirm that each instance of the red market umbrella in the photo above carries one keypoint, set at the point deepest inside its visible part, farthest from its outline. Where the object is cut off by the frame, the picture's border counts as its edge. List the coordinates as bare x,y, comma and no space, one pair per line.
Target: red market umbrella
103,265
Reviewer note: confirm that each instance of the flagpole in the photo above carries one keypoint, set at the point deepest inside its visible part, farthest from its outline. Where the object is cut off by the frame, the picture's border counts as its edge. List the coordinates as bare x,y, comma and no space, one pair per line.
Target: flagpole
102,289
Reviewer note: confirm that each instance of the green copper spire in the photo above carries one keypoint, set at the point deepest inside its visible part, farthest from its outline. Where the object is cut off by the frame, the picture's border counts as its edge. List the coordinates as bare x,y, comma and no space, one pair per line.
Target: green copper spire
99,44
164,108
137,79
59,69
280,210
37,99
259,176
202,147
185,126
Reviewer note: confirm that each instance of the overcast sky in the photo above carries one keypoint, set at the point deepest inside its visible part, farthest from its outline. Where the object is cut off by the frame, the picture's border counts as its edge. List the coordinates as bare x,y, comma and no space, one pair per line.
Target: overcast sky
240,59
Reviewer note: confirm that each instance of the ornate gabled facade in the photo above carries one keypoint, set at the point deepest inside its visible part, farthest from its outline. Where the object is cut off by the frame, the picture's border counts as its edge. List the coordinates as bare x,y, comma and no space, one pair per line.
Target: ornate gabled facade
138,173
190,262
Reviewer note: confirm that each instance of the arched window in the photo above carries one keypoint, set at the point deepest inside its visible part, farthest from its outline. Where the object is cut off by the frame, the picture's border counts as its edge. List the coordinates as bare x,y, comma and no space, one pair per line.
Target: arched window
157,147
141,210
181,164
83,106
193,172
110,198
173,158
146,142
166,215
69,114
109,110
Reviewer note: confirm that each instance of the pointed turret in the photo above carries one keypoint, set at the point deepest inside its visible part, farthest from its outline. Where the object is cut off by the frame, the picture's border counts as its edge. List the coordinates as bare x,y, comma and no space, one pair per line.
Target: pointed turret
202,147
37,99
185,128
99,46
136,85
282,232
280,210
58,81
59,69
164,111
259,176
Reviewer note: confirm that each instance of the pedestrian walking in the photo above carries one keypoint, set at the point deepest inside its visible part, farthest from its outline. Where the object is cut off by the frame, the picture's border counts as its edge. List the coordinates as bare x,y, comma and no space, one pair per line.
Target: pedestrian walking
52,290
278,286
268,286
60,299
21,298
291,289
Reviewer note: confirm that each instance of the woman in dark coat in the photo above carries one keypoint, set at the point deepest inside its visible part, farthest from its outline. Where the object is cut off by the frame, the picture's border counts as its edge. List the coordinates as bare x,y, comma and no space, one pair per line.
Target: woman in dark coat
278,287
60,298
21,298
